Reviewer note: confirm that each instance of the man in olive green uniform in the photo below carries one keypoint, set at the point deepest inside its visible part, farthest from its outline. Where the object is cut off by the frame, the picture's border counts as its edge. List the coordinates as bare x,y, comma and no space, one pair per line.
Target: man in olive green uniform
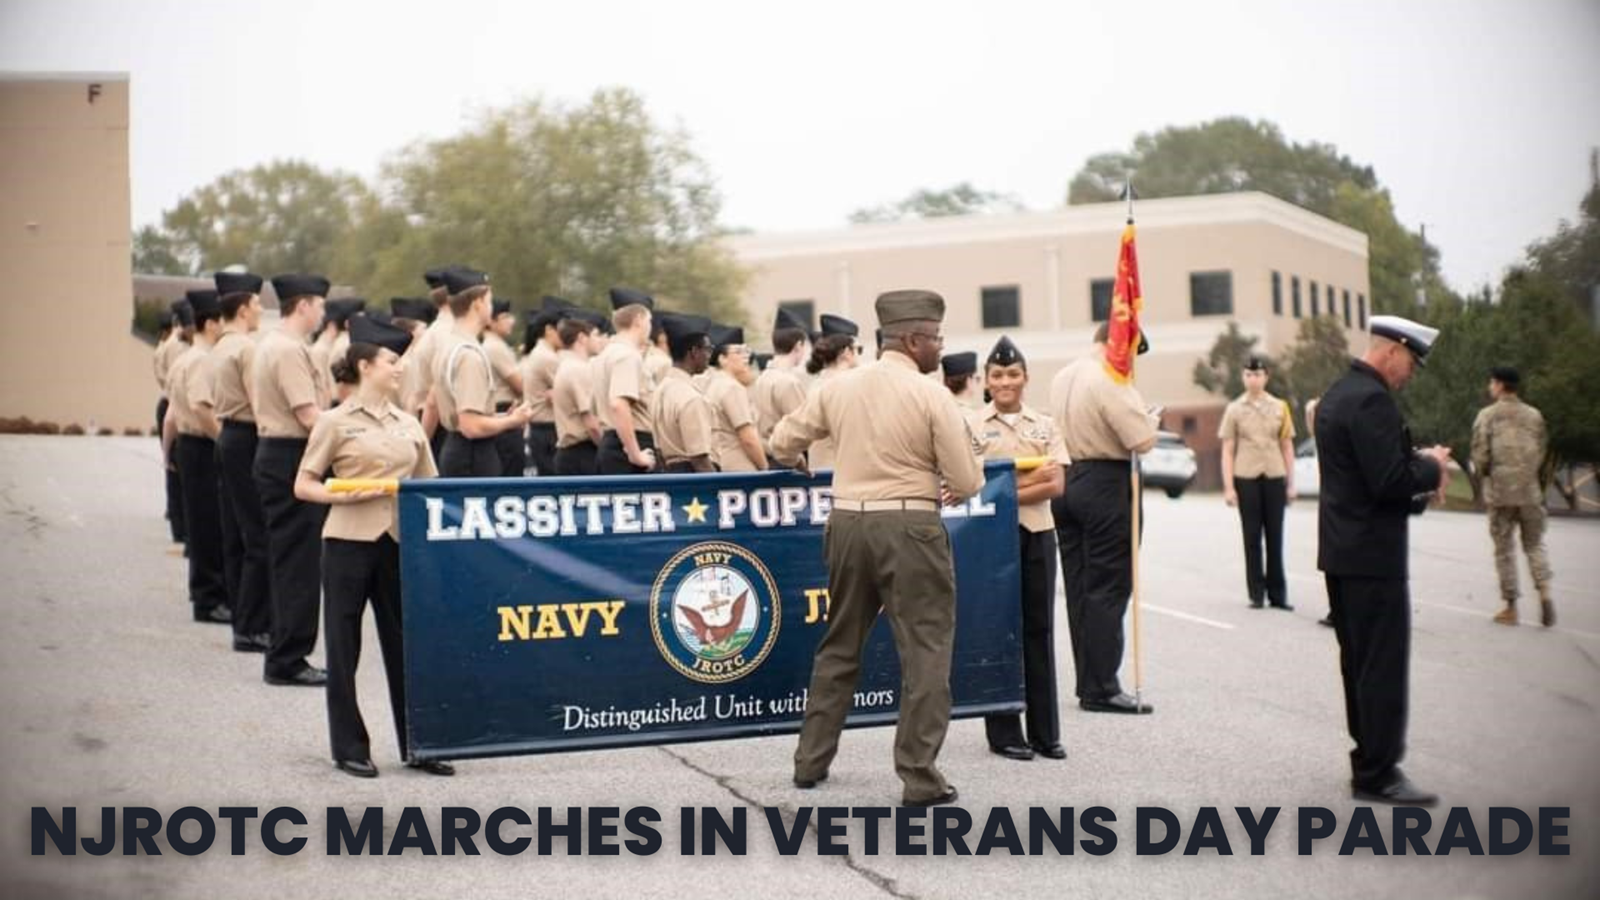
1508,447
681,414
903,448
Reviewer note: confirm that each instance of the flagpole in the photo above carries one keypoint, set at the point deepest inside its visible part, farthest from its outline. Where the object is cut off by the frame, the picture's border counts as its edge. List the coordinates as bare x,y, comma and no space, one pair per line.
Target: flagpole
1134,478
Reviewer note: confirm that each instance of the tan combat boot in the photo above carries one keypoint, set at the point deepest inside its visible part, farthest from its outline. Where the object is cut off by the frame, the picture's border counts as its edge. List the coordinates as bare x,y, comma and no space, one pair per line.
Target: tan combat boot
1547,610
1507,616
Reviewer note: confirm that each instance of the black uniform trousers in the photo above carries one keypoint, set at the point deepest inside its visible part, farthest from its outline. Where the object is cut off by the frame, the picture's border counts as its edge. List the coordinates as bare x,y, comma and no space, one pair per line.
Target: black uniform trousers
1261,504
463,457
294,555
512,449
244,530
353,573
1038,650
1093,519
1372,617
577,459
174,485
436,441
197,465
612,459
542,447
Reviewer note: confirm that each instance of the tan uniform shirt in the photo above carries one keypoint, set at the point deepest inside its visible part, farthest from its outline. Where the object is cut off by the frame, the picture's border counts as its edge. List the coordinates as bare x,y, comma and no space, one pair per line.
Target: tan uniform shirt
337,351
1508,448
571,398
1012,435
503,363
418,377
282,377
822,453
1257,429
682,416
1098,418
167,354
230,376
898,433
538,378
322,355
657,363
730,407
357,442
778,392
189,387
620,373
462,379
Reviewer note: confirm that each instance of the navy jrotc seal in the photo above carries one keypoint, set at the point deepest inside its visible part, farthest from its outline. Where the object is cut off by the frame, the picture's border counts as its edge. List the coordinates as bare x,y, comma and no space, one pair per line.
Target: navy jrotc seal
715,612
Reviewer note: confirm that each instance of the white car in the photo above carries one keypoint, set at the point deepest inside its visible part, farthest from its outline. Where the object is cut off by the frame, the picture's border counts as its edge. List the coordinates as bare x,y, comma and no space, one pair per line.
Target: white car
1170,465
1307,480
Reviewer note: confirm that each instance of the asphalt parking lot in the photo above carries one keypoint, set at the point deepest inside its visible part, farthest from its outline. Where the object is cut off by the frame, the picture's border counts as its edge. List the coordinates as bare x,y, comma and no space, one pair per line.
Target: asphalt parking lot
113,698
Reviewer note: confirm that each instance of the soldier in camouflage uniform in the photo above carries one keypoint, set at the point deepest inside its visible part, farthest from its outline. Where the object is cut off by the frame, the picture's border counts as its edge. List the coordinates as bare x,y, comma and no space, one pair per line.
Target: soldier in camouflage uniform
1508,446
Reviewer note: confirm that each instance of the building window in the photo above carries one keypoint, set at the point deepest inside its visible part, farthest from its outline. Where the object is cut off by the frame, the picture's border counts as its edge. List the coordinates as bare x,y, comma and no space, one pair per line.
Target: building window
1002,307
1316,304
1361,311
1294,294
1346,308
1277,294
1210,293
1100,299
803,310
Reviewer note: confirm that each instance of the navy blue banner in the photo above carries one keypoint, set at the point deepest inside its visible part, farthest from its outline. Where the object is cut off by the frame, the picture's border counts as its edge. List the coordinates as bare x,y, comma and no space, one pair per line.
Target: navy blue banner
549,614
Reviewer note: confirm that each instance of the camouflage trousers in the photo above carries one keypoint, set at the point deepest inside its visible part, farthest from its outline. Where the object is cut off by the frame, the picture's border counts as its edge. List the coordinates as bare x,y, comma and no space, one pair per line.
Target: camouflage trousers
1504,522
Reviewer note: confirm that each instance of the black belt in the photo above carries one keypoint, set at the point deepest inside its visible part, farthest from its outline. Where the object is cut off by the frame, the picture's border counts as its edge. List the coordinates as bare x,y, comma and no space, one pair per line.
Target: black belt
238,423
283,442
503,406
1119,463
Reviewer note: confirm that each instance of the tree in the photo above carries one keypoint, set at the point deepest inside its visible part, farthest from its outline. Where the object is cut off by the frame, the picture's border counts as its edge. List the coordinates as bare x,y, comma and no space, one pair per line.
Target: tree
550,199
1234,154
284,216
960,200
155,253
1572,256
1222,371
1316,359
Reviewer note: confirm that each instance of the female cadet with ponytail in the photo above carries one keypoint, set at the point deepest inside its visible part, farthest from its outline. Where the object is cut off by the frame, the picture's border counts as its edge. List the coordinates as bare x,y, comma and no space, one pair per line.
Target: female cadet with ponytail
367,436
834,353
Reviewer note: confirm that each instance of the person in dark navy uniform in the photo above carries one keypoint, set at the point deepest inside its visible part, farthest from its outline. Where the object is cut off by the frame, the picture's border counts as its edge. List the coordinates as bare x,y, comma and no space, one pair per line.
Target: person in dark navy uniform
1372,481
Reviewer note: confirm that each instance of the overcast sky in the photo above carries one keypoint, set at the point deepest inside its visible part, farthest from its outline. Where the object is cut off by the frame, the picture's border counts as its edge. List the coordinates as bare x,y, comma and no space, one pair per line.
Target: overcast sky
1478,115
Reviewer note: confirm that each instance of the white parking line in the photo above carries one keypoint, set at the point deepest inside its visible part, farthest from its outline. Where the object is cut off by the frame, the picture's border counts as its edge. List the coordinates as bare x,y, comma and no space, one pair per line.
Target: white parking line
1188,617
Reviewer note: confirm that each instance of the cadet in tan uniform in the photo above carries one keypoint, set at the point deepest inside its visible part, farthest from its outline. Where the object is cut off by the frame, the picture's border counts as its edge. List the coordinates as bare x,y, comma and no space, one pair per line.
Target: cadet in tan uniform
338,313
736,445
681,414
182,319
463,382
417,381
1257,435
1508,449
288,392
368,436
191,431
572,394
538,368
1102,423
961,379
622,392
835,352
1007,429
507,386
779,389
899,436
244,525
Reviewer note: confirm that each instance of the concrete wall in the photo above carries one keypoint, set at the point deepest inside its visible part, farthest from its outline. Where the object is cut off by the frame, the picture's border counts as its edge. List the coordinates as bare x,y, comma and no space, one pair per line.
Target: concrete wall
67,353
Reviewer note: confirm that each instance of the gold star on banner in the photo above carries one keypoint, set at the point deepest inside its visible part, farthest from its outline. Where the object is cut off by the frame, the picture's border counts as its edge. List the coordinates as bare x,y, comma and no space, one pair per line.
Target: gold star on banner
696,511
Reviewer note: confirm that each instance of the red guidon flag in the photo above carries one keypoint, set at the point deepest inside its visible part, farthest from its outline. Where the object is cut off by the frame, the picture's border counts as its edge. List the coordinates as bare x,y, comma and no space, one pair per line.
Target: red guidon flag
1122,332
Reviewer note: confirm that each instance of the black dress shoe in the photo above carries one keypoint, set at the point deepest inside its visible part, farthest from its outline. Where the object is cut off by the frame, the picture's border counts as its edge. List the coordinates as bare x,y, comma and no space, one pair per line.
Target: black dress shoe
360,768
806,784
1255,604
1285,606
1050,751
1018,752
432,767
215,615
1400,792
1326,620
1121,703
310,676
949,796
252,643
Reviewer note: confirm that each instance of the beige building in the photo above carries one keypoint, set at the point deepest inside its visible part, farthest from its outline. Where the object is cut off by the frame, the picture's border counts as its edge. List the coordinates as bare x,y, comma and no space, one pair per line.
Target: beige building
69,353
1045,280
